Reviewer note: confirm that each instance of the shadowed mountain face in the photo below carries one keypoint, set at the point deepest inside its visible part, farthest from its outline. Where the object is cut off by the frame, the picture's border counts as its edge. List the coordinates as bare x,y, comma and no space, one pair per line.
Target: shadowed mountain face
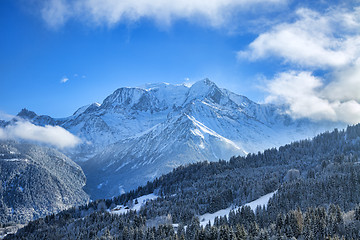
36,181
137,134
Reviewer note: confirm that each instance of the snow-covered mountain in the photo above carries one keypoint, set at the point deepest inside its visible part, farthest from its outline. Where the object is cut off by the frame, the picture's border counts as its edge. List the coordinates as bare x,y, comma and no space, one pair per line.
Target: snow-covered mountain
137,134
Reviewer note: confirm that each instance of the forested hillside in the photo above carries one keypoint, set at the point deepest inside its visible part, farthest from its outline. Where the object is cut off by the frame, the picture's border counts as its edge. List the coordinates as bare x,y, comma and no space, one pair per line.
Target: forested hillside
36,181
318,197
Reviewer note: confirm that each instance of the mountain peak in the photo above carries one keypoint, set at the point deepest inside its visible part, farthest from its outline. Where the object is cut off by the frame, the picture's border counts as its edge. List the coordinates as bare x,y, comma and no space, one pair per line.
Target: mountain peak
205,89
208,82
125,96
205,82
87,108
149,86
26,114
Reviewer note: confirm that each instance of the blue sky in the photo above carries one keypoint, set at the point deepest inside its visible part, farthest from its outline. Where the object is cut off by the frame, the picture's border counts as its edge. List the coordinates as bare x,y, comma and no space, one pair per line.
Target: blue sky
300,54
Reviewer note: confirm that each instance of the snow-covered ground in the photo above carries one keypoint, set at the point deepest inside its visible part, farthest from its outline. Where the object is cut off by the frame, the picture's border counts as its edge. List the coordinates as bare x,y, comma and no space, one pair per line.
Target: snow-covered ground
120,209
204,219
262,201
15,160
12,229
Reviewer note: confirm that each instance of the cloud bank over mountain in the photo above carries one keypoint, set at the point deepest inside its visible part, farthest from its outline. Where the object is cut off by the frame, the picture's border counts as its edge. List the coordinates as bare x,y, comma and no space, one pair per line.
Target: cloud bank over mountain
308,96
53,135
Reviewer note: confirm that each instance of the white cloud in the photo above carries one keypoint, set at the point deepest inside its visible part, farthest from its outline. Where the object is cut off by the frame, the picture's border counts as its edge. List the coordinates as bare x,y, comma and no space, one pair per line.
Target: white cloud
314,40
215,12
55,12
307,96
345,85
3,135
328,41
64,80
5,116
53,135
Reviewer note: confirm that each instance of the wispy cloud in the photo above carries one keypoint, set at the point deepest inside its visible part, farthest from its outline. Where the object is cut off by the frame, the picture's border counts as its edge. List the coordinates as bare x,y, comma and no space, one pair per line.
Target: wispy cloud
5,116
53,135
64,79
55,12
328,41
110,12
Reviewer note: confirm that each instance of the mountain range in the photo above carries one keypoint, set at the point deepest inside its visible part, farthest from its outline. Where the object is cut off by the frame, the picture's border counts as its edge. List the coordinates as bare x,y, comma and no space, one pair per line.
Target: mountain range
139,133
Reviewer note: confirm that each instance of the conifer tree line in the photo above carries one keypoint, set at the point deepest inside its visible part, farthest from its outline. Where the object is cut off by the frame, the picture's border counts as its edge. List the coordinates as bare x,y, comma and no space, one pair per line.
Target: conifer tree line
314,223
318,183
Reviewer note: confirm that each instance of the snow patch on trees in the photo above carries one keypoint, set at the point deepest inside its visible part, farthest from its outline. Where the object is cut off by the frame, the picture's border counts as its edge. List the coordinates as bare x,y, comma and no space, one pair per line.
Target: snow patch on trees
133,205
262,201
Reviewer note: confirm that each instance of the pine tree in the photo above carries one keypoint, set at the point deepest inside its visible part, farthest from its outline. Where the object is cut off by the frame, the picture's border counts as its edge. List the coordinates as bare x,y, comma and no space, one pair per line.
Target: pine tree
240,233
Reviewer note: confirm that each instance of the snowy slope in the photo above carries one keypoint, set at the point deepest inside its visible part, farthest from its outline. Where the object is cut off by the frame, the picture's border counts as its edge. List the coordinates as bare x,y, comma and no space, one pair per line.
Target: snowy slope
139,133
137,203
262,201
